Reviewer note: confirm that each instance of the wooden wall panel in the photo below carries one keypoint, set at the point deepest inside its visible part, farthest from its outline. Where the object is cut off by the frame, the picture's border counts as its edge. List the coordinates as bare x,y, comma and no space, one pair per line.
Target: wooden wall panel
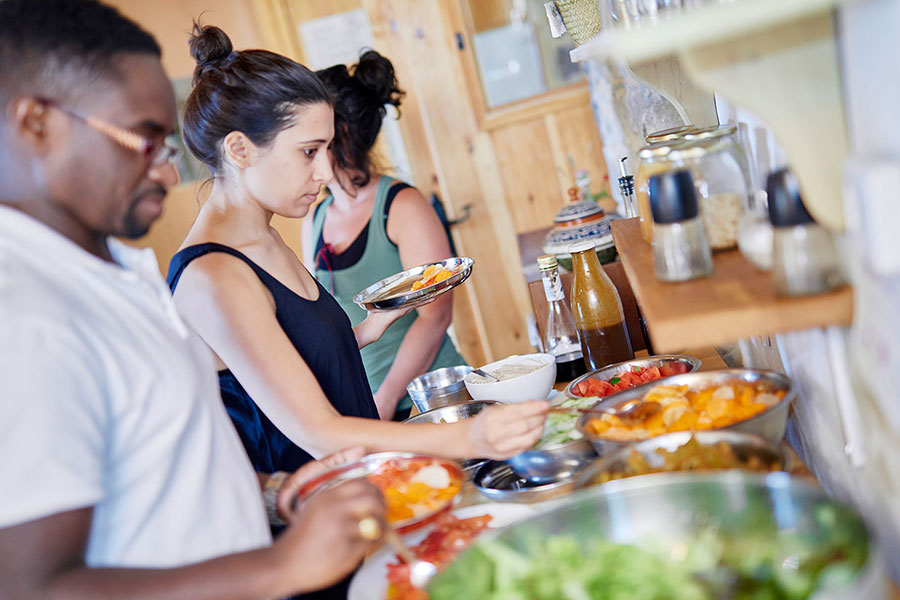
580,139
488,14
529,175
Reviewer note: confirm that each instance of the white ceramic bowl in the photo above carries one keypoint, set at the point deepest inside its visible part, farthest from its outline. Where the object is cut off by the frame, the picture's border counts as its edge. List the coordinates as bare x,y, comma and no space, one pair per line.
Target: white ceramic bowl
535,385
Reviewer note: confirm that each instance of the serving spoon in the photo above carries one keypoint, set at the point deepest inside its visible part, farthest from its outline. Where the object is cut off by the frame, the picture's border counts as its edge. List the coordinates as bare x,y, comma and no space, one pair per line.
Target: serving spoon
420,571
485,374
634,410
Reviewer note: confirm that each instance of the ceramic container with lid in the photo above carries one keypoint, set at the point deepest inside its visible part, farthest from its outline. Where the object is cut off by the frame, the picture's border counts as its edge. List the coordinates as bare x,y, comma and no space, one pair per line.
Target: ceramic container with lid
576,222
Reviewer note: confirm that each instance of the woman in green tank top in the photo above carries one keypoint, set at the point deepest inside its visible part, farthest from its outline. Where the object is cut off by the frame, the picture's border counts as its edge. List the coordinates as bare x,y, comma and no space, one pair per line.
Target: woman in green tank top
372,226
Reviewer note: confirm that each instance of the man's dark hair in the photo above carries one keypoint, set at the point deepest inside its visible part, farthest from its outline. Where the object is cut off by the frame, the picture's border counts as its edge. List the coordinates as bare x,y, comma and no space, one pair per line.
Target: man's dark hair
49,46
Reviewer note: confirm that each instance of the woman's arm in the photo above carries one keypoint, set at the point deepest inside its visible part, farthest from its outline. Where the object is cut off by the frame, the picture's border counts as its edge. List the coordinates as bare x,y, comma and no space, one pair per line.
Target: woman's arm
420,238
224,301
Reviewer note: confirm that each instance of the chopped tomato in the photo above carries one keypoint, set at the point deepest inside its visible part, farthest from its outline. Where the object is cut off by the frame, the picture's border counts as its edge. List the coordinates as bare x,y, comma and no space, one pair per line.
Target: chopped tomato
626,379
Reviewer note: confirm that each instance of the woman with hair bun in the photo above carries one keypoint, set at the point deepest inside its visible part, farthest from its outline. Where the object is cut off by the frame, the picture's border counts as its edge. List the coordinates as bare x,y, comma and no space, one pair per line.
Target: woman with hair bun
290,369
372,226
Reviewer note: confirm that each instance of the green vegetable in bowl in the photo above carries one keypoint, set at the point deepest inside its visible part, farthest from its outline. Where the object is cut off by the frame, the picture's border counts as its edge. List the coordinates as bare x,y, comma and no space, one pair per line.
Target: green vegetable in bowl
560,427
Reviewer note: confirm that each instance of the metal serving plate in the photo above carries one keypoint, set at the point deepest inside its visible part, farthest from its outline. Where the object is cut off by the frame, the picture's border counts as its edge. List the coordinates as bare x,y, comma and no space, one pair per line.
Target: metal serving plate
396,291
610,371
370,464
498,481
769,424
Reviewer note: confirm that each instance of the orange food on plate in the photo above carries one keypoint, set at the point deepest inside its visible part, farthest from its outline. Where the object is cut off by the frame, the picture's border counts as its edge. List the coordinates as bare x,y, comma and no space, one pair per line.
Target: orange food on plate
446,541
682,409
415,489
433,274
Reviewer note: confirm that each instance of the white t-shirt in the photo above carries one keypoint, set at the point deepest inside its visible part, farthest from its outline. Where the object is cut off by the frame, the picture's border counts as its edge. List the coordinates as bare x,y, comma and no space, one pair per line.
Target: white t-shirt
107,400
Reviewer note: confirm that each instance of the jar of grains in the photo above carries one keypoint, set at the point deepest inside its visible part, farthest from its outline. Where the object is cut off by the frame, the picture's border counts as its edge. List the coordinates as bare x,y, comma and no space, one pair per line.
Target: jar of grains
721,187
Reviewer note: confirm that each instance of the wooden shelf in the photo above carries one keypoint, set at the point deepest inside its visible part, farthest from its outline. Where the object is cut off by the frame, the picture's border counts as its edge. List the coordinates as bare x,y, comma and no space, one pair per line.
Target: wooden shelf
695,27
738,301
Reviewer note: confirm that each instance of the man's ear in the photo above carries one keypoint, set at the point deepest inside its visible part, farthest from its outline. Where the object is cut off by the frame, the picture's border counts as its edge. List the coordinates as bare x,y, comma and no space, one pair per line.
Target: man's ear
29,118
239,150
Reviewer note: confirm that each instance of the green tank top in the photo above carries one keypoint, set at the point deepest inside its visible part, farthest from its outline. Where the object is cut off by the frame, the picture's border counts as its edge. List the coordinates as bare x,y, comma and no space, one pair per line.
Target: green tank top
380,259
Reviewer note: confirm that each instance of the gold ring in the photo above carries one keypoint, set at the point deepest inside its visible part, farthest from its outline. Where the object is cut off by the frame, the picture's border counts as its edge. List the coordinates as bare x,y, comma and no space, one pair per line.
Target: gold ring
369,528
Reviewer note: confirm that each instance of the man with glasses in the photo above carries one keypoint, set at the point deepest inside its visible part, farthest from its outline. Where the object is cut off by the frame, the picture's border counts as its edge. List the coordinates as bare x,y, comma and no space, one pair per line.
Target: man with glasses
118,463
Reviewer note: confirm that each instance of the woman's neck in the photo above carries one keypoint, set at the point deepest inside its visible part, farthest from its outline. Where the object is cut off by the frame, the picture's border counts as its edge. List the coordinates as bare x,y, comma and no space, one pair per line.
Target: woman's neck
246,219
348,196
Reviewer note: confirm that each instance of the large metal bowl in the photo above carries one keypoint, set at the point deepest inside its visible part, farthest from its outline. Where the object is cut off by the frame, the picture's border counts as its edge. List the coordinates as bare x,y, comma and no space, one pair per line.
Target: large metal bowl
454,414
610,371
745,446
441,387
396,290
666,514
769,424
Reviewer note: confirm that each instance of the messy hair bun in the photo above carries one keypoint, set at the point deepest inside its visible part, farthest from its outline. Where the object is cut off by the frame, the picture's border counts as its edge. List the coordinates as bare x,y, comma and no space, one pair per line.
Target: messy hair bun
209,46
255,92
361,95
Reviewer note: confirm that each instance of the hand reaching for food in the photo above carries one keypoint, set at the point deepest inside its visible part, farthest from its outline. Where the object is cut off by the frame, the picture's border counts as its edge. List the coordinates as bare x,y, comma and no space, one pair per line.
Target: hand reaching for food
499,432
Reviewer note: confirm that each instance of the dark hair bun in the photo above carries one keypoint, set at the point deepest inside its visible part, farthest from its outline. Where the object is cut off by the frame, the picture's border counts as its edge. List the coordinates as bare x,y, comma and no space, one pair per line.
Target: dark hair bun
209,47
376,74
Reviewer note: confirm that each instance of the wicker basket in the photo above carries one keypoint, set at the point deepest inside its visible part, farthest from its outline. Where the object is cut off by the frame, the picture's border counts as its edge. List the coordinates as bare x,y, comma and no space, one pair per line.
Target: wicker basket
582,18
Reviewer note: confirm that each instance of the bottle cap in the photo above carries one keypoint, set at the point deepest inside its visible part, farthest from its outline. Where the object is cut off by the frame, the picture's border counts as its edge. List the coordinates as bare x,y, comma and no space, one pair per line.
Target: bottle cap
672,197
785,204
581,246
546,262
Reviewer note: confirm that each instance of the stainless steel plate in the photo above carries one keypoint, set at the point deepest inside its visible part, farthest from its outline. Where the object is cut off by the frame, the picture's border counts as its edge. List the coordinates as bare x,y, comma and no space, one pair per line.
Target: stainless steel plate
396,291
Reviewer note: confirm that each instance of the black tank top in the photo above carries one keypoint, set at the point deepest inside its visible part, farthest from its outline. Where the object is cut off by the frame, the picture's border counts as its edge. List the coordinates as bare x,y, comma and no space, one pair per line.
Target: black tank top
321,332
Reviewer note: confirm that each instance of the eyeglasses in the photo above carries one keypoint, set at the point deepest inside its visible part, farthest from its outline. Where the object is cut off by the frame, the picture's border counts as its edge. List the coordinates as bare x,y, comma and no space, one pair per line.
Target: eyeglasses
155,153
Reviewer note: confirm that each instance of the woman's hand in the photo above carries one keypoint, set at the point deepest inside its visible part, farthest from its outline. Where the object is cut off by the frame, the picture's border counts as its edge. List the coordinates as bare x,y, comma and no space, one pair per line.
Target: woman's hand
376,323
499,432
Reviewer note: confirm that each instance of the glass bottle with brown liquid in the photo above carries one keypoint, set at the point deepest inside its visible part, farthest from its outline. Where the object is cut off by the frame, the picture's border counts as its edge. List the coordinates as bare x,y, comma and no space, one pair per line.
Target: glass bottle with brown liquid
597,309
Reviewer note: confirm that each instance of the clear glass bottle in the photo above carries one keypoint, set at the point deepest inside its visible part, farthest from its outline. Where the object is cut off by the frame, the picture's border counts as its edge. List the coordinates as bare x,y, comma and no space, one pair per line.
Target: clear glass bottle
680,249
560,335
721,187
804,257
597,309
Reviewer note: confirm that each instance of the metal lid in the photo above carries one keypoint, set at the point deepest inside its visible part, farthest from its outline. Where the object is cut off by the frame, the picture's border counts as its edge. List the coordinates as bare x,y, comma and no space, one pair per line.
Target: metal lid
669,134
693,149
672,197
715,131
785,203
547,262
656,151
582,246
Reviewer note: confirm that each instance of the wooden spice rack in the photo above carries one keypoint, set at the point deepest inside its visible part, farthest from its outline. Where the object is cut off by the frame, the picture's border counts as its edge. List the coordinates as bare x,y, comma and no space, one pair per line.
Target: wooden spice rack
738,301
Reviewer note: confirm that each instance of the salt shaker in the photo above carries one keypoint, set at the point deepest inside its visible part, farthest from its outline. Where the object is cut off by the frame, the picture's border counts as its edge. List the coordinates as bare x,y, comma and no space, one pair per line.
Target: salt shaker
680,248
805,259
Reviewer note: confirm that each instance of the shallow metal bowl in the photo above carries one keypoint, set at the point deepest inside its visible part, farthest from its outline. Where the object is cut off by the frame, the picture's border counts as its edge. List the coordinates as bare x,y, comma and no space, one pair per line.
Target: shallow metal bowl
769,424
610,371
441,387
497,481
665,513
744,445
552,463
396,291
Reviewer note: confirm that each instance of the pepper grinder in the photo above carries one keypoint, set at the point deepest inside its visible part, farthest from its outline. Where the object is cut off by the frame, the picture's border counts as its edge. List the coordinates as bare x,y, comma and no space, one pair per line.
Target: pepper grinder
680,248
804,256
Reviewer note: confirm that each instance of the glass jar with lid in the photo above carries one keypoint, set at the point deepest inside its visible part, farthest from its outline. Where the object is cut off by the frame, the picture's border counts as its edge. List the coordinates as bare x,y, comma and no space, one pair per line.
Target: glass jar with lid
670,135
727,133
721,187
653,160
